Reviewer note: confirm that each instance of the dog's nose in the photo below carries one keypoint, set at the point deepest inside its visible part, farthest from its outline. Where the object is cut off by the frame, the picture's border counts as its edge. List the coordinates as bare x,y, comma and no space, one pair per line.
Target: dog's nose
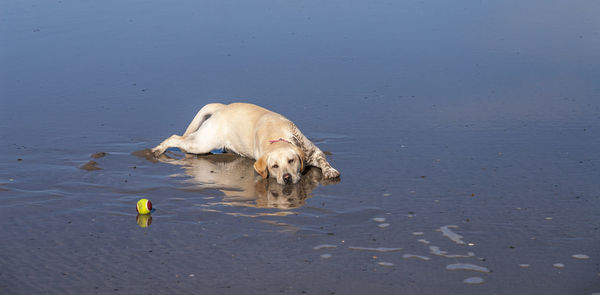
287,178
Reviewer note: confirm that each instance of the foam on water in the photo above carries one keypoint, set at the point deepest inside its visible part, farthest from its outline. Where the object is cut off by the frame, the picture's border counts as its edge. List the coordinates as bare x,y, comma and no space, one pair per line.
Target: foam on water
383,225
408,256
435,250
426,242
418,233
473,280
324,246
326,256
558,265
380,249
467,266
454,237
580,256
379,219
383,263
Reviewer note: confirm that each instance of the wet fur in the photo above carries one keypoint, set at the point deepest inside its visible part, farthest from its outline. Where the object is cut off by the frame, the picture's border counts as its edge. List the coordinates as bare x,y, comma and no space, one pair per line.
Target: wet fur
250,130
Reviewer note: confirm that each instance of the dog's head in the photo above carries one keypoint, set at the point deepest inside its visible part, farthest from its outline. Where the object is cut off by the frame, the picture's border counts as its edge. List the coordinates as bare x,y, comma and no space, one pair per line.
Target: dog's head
284,162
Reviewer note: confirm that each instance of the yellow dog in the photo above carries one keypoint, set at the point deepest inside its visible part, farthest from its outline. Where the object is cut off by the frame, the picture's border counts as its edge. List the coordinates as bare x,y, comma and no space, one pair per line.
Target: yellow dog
281,151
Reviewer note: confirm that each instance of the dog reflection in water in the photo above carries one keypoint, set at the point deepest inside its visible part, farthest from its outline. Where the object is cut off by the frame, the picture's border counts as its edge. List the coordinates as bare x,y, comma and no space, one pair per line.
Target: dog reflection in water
235,177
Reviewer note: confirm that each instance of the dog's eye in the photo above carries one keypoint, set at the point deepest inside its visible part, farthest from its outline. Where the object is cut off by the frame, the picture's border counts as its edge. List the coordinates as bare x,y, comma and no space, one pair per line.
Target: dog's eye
275,166
291,161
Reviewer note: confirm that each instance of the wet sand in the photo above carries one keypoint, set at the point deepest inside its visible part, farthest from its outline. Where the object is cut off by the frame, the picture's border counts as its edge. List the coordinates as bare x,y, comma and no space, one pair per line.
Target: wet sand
467,136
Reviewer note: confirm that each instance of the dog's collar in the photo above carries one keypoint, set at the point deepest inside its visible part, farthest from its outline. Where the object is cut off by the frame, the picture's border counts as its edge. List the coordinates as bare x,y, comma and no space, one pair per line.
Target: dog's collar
278,140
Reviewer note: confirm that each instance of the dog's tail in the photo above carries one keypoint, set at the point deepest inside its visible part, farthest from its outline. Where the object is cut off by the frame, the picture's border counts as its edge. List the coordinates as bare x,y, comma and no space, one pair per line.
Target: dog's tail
202,116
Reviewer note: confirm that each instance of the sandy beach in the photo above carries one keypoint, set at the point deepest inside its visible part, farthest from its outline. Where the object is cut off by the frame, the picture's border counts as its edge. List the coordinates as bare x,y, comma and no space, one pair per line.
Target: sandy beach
467,136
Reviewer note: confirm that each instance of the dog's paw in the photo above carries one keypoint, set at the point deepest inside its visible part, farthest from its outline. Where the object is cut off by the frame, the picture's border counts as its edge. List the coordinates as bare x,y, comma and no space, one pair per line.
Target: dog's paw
331,173
157,152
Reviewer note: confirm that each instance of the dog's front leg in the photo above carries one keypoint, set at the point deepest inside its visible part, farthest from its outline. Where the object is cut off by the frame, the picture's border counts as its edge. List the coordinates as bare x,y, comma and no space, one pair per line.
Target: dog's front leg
318,159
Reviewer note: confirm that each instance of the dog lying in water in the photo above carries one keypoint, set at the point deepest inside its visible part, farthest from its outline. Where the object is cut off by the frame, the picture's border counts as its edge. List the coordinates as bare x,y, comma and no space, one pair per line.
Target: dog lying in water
281,151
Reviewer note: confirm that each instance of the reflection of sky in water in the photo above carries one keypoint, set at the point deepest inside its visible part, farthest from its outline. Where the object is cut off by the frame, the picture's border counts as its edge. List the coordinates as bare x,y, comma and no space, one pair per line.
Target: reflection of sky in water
94,72
476,60
463,131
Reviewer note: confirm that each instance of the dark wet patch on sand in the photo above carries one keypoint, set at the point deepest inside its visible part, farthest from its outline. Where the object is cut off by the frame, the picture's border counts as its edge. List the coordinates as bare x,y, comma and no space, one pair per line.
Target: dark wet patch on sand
98,155
146,154
90,166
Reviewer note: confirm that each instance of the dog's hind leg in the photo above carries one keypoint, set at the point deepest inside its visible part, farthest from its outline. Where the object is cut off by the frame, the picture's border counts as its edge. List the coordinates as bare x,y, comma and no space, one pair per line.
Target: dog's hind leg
185,144
202,116
172,141
202,141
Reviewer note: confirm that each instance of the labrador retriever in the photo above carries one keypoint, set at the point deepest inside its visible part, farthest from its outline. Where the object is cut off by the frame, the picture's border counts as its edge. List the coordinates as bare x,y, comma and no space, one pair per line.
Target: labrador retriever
281,151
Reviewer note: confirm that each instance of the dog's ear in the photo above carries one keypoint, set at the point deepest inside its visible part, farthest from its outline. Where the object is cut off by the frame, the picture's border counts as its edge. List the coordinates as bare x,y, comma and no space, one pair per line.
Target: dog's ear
301,157
261,167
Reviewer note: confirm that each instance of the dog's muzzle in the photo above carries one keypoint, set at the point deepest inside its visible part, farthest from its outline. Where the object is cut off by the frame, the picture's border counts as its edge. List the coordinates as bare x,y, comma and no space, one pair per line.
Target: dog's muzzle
287,178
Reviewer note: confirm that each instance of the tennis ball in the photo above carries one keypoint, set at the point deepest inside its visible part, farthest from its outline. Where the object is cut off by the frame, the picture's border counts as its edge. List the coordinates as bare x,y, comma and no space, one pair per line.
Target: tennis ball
144,206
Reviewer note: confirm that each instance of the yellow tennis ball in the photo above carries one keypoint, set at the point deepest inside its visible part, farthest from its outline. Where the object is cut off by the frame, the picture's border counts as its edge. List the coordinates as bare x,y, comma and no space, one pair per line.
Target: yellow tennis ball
144,206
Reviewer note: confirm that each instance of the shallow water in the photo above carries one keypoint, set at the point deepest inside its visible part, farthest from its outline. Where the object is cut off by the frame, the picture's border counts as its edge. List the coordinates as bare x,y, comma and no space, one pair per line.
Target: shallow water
474,122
